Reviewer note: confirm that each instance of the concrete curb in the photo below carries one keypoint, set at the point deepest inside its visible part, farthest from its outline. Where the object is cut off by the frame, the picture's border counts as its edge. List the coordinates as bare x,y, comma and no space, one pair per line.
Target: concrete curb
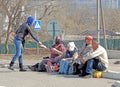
113,54
112,75
116,84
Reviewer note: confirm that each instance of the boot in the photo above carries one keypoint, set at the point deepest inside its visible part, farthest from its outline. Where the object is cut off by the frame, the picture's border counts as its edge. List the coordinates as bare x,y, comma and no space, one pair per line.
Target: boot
21,68
11,66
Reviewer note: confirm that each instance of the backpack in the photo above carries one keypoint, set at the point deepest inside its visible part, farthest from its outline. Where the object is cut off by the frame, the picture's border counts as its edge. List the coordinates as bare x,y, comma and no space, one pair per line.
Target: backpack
41,67
49,66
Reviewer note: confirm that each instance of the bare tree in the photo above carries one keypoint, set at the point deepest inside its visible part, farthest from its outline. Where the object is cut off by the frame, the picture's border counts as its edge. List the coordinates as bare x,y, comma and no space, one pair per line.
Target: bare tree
112,19
46,10
11,9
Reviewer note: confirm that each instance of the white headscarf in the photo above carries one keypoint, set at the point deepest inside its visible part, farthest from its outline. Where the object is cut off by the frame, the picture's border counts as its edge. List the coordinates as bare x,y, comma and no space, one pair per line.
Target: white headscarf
71,46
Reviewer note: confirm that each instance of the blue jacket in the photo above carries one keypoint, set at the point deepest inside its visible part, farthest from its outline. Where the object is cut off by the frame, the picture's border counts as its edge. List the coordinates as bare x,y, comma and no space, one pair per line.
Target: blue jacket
69,54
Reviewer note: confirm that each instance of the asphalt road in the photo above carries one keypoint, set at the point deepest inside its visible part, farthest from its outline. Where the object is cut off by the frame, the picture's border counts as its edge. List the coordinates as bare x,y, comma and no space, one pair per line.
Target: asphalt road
38,79
15,78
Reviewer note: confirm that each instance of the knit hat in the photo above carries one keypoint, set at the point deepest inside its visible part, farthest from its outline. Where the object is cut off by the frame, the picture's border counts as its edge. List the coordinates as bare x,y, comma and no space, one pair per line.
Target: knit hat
89,38
30,20
71,46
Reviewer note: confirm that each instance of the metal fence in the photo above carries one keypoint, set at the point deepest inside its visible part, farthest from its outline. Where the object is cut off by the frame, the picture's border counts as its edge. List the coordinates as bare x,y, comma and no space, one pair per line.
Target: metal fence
112,44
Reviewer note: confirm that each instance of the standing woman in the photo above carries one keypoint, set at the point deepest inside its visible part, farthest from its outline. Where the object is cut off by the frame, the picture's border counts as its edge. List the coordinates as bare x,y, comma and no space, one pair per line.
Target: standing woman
19,41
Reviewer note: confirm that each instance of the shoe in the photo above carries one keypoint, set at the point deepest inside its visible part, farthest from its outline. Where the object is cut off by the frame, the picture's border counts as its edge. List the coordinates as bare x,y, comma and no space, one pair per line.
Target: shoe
59,73
21,67
22,70
81,74
11,68
75,73
88,76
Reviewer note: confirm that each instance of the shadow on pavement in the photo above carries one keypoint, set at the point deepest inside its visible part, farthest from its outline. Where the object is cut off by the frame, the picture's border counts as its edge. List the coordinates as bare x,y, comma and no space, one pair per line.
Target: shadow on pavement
6,71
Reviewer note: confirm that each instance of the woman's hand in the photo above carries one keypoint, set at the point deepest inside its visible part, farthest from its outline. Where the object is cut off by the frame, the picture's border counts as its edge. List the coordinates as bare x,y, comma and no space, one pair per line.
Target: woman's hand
43,46
75,56
83,60
54,50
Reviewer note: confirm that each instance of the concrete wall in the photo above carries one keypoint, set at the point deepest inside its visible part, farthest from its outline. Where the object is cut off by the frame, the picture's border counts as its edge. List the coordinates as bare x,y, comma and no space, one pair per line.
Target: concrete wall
113,54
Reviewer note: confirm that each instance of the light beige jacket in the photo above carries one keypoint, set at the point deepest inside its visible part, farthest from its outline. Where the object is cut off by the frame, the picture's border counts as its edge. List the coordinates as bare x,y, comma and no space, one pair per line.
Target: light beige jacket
101,53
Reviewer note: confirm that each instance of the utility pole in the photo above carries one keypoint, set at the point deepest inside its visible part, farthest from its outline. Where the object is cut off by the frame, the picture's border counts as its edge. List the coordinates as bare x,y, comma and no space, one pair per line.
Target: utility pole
98,21
103,24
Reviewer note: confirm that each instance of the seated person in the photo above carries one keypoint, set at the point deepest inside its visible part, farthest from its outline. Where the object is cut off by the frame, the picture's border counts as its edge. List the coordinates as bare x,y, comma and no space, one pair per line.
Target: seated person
84,51
98,60
56,50
67,57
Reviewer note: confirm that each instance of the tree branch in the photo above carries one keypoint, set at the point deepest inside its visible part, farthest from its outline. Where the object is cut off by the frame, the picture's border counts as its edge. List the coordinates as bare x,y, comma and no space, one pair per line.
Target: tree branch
46,9
16,8
4,8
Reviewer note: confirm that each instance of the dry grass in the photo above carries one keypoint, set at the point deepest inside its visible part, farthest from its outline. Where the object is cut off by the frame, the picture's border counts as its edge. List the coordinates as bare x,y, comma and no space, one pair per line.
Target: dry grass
25,56
29,54
9,56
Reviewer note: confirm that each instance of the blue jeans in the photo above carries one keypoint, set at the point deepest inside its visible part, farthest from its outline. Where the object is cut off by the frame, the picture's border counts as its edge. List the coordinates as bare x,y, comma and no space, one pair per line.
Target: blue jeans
19,50
64,66
93,64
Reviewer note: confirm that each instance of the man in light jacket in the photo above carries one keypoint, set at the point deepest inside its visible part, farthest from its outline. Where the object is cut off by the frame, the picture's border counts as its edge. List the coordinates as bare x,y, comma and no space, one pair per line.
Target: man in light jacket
98,60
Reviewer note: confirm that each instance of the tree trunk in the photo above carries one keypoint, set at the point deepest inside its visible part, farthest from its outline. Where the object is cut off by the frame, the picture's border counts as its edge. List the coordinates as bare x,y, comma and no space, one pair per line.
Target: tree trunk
7,38
6,46
0,46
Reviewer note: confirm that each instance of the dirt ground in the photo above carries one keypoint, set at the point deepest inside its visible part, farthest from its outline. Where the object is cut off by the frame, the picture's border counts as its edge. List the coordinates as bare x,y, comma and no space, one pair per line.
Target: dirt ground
31,54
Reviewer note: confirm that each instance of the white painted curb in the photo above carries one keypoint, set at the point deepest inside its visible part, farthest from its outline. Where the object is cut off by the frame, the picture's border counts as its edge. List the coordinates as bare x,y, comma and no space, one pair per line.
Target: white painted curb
116,84
112,75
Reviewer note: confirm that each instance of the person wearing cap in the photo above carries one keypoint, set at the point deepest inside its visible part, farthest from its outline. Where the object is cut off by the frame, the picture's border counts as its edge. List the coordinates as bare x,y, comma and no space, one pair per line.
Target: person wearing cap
67,57
98,60
19,41
87,47
84,51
